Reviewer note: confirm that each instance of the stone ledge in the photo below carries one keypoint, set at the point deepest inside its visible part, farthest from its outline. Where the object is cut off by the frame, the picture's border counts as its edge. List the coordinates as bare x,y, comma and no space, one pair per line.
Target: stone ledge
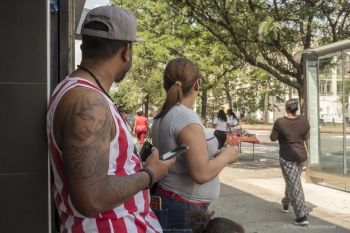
324,129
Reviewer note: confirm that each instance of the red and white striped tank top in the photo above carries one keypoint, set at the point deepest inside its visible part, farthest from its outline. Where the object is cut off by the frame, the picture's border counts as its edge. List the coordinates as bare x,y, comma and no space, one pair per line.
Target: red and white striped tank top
135,214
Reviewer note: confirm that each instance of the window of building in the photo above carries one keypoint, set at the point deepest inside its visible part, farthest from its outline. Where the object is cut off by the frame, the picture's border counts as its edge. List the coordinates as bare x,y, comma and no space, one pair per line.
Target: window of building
329,87
339,86
326,86
322,86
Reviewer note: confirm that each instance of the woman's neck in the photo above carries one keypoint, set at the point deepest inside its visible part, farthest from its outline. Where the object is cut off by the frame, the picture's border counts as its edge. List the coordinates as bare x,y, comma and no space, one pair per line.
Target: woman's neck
291,115
188,102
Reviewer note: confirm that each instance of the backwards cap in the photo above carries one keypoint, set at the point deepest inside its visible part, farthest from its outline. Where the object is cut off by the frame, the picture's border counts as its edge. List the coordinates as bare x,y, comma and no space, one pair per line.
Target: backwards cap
121,23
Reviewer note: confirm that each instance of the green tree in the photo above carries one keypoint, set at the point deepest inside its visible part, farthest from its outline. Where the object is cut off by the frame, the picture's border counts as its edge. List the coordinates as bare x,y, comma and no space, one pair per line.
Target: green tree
169,35
217,67
270,34
143,86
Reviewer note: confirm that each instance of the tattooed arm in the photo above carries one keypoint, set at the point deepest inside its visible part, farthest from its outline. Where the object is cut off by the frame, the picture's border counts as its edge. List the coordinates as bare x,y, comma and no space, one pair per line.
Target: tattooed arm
83,128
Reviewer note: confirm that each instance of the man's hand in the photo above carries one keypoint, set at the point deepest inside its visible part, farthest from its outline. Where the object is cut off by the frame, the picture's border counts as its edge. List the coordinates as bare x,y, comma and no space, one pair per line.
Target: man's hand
158,167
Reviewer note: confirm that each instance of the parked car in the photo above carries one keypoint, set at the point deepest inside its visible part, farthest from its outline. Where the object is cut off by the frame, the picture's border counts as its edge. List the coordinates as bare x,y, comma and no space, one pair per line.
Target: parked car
131,119
331,118
150,122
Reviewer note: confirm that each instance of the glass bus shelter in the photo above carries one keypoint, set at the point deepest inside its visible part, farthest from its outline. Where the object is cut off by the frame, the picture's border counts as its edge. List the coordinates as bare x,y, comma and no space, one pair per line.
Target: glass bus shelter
327,82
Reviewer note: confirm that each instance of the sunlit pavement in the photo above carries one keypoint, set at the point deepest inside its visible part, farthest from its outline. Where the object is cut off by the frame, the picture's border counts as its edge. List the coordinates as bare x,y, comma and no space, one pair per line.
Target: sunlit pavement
251,193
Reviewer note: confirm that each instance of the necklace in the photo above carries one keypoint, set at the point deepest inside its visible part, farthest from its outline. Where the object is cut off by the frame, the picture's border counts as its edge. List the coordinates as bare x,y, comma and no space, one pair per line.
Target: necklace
97,81
104,91
100,86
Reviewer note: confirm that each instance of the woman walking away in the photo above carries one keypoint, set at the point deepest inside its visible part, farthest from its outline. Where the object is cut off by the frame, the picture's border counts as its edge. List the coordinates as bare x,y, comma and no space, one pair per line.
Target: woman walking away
232,119
192,182
221,124
291,132
141,127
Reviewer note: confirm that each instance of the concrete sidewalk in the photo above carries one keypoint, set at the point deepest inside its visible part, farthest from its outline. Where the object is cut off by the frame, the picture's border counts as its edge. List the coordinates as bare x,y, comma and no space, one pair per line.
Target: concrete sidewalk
251,193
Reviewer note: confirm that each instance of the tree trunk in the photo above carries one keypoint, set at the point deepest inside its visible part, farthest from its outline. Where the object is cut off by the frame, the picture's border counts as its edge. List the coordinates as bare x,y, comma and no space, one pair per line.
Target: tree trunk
146,105
266,104
228,95
204,99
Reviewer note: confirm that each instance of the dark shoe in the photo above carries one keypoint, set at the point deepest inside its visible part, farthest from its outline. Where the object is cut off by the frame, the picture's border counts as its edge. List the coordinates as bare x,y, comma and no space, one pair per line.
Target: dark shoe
301,221
285,208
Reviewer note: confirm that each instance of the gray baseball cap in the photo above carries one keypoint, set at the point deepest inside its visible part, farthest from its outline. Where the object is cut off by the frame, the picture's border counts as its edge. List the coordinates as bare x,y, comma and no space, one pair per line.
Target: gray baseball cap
121,23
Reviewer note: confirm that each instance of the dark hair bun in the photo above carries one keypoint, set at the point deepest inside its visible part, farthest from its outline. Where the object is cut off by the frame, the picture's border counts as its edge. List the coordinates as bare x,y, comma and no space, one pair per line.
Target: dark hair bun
292,105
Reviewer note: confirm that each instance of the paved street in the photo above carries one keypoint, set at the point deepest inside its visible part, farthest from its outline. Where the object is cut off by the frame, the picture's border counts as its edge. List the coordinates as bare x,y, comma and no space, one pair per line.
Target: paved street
251,193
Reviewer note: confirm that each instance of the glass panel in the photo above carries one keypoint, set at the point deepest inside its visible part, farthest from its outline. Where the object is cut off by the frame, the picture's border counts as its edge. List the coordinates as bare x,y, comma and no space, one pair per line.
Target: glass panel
331,154
313,111
346,70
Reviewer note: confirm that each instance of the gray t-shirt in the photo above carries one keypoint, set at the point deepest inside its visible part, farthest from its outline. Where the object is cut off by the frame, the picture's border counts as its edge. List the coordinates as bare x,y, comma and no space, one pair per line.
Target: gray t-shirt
178,179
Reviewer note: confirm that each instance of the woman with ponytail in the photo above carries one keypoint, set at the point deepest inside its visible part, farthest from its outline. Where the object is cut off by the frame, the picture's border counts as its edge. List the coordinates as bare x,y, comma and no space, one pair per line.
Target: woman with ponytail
192,182
291,132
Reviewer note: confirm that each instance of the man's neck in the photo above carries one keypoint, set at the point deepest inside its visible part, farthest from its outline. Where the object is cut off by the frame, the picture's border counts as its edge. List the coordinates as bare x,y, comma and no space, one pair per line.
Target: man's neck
101,71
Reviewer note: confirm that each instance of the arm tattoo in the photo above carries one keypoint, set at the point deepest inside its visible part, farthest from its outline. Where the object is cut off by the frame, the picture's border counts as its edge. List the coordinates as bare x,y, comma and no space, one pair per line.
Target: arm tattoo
87,141
87,146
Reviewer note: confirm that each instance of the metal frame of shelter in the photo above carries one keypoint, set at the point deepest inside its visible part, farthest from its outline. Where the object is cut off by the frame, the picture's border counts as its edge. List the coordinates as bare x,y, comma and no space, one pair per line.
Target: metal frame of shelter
329,153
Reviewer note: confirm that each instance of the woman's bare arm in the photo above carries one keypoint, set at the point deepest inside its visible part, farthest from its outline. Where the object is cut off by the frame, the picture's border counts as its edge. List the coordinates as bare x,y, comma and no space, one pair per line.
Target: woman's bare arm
200,167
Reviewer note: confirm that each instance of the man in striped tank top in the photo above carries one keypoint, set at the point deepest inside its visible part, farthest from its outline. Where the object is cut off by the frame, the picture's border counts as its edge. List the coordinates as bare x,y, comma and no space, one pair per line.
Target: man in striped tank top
99,182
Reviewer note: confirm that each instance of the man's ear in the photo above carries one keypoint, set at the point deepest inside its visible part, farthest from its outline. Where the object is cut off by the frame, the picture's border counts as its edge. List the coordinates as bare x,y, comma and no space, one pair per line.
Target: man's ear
126,52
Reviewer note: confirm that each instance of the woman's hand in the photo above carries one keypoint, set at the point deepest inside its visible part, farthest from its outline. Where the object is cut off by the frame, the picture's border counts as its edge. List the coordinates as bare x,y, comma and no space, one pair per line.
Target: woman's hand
232,154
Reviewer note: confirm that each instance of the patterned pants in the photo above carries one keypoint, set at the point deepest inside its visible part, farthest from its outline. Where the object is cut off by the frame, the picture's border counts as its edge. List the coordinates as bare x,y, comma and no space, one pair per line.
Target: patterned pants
294,194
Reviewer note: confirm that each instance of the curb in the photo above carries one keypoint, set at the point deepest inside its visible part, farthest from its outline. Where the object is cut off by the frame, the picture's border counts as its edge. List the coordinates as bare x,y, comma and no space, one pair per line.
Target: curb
337,128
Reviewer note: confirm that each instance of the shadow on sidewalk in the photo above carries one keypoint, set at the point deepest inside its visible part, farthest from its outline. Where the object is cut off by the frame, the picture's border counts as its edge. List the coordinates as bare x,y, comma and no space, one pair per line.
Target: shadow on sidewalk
263,214
256,164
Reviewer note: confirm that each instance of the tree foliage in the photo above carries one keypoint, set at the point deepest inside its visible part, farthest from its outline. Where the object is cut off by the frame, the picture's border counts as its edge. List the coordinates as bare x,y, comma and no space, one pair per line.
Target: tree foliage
143,87
169,35
270,34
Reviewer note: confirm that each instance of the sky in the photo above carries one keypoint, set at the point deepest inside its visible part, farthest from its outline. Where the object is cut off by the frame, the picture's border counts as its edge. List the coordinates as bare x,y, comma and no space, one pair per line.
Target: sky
89,4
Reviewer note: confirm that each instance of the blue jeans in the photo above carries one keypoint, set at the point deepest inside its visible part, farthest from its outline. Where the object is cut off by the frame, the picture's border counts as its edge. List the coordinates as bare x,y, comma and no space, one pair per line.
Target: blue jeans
173,216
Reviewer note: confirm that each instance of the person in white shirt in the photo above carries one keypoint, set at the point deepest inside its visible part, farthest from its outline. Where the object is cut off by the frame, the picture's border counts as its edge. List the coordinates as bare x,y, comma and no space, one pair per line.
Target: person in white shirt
220,124
232,119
